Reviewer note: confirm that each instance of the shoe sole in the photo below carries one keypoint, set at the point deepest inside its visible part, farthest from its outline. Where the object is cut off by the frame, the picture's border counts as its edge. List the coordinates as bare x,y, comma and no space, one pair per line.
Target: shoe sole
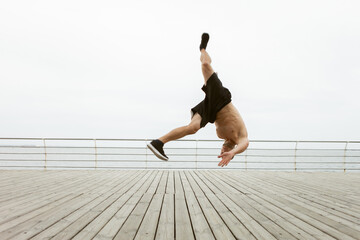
156,152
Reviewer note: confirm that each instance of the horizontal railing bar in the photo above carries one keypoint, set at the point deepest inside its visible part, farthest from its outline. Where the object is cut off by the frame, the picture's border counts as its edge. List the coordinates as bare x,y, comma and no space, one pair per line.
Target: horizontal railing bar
307,156
103,161
114,167
173,154
157,168
203,161
307,141
182,148
106,139
182,140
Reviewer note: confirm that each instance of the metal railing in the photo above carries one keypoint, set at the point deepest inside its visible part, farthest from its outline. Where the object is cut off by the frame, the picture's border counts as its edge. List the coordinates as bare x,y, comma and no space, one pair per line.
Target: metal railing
87,153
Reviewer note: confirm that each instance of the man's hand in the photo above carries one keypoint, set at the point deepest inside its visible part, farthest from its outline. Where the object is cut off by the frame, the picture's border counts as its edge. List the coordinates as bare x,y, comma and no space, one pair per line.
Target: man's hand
226,157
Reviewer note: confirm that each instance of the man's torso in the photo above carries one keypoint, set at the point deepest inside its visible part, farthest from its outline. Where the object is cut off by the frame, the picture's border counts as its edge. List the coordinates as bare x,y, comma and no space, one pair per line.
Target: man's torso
229,124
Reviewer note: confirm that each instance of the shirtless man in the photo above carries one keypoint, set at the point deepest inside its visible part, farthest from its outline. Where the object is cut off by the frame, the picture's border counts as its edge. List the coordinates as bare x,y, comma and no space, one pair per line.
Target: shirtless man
216,107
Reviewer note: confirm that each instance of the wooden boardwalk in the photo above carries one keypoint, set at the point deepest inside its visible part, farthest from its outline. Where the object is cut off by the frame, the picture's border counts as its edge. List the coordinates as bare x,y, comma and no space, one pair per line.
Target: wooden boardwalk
169,204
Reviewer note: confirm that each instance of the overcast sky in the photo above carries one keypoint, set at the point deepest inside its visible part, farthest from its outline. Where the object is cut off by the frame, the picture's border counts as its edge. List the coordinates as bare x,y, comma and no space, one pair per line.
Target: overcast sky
131,69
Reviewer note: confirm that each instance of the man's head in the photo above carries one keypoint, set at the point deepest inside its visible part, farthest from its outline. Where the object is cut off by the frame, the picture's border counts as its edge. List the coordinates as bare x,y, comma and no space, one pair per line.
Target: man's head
227,146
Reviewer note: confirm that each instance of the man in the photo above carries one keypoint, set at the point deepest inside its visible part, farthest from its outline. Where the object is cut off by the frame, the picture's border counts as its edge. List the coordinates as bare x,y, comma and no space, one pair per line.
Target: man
216,107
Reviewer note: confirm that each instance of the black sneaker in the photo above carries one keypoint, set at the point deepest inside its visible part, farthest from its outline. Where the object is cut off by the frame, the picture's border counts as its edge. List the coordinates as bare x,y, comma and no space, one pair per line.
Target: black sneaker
204,41
156,146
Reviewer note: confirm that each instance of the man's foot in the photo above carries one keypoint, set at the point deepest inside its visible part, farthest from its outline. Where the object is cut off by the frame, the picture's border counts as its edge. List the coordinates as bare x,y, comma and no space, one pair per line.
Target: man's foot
156,146
204,41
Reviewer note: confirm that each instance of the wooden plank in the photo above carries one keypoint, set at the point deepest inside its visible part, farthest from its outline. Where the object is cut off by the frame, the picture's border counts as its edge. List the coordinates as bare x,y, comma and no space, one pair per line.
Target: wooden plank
166,226
148,227
21,223
26,186
130,227
290,216
337,183
112,227
22,178
21,193
104,212
163,181
199,223
344,210
327,210
303,185
301,213
336,228
178,188
235,226
51,216
27,229
183,228
86,215
101,194
298,226
349,227
154,185
170,186
217,225
278,219
316,190
254,227
31,209
271,227
302,225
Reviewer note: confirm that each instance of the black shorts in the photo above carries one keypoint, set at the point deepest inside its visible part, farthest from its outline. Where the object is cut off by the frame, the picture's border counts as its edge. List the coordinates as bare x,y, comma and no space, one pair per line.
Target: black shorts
216,97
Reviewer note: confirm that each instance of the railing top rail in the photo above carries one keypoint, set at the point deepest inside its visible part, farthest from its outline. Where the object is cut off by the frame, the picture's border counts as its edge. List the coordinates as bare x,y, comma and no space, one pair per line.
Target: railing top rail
184,140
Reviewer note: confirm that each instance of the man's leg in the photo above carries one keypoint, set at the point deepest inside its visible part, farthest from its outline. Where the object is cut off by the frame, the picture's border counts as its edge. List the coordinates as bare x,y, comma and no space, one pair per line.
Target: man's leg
156,146
206,68
205,58
181,132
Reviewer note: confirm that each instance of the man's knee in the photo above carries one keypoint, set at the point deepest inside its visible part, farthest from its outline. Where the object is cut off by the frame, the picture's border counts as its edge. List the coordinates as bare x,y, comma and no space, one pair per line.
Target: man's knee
206,66
193,128
207,71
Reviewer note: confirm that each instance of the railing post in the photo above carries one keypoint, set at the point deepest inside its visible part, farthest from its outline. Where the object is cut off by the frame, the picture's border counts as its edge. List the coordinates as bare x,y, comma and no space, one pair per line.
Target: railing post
246,159
45,163
196,153
295,156
344,160
95,154
146,153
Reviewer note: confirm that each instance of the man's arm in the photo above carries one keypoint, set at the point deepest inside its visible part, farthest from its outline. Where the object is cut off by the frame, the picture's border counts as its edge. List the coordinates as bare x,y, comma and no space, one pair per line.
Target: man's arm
227,156
241,147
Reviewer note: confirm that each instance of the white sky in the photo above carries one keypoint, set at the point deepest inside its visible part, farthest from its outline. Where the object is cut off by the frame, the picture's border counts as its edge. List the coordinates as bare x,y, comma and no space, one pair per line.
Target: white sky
131,69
